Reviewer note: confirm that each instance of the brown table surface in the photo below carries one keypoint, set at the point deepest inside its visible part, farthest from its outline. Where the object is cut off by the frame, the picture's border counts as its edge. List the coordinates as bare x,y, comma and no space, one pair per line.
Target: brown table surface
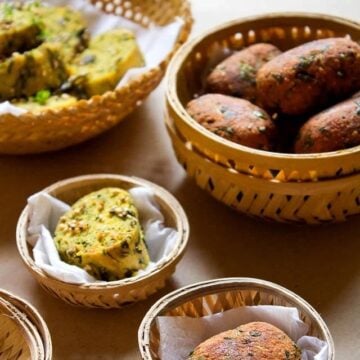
321,264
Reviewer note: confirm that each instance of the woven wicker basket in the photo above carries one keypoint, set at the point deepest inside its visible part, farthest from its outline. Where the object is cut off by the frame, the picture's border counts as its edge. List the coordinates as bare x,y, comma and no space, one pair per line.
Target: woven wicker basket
56,129
114,294
311,188
219,295
23,333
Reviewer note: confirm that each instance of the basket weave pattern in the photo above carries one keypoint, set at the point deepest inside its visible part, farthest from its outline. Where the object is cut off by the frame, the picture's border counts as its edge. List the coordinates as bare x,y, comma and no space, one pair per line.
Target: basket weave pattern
283,187
56,129
13,345
23,333
216,296
93,297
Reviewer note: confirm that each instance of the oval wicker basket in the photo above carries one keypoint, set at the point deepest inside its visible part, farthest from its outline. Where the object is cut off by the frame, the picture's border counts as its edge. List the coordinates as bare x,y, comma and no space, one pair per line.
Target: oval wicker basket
313,188
214,296
57,129
114,294
23,333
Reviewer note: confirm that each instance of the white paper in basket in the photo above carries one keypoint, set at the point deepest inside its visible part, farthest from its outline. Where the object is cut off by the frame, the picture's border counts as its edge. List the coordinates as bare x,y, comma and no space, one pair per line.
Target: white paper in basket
179,335
155,42
44,214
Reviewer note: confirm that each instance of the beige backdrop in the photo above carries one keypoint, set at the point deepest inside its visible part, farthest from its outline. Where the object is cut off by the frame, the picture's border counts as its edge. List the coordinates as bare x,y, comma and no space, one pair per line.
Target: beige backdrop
320,264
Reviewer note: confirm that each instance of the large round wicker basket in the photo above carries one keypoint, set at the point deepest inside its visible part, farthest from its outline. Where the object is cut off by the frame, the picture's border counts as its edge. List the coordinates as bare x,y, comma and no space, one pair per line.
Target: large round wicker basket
215,296
114,294
57,129
313,188
23,333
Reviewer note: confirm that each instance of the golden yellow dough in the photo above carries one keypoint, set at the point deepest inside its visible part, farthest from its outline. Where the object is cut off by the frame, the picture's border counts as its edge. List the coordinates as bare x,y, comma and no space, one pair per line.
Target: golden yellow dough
61,25
17,30
37,105
100,67
26,74
102,234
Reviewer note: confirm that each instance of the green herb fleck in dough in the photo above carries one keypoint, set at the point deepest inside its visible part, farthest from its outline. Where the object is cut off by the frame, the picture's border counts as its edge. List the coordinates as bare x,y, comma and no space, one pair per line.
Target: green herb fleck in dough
247,73
54,102
8,10
305,62
42,96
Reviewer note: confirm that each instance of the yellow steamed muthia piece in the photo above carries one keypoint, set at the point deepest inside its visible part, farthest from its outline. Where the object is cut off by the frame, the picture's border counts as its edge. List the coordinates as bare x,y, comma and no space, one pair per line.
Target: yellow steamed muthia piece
102,234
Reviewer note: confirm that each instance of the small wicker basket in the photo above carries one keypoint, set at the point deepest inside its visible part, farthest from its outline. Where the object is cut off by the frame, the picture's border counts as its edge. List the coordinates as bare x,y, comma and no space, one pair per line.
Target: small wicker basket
313,188
214,296
57,129
23,333
114,294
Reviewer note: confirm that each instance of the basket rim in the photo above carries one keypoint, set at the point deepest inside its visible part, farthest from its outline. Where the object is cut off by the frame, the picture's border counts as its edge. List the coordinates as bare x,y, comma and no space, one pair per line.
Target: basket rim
182,227
7,309
29,322
279,187
136,81
193,291
185,50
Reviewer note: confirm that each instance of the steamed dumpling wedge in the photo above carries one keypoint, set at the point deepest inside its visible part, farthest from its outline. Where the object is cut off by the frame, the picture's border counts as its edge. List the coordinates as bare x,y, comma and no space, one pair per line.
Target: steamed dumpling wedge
100,67
60,25
18,31
102,234
27,73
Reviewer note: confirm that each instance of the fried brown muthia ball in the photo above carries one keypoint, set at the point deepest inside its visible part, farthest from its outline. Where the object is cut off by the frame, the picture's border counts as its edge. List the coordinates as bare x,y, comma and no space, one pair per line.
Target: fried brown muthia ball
333,129
310,76
236,75
237,120
253,341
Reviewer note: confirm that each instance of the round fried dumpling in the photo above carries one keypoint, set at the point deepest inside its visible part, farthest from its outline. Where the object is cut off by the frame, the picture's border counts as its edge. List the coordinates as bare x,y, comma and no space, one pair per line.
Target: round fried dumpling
255,341
234,119
236,75
102,234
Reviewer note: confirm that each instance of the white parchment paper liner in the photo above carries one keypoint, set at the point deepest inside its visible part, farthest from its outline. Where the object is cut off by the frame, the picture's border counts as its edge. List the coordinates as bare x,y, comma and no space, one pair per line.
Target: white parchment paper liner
155,42
44,214
179,335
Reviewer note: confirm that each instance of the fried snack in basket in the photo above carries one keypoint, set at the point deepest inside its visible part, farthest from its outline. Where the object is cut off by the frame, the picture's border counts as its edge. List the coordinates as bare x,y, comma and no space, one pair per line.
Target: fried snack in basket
256,341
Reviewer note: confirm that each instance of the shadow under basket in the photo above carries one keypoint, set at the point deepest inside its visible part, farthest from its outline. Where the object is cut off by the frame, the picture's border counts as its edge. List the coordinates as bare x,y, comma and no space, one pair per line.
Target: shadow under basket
294,188
23,333
215,296
57,129
113,294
